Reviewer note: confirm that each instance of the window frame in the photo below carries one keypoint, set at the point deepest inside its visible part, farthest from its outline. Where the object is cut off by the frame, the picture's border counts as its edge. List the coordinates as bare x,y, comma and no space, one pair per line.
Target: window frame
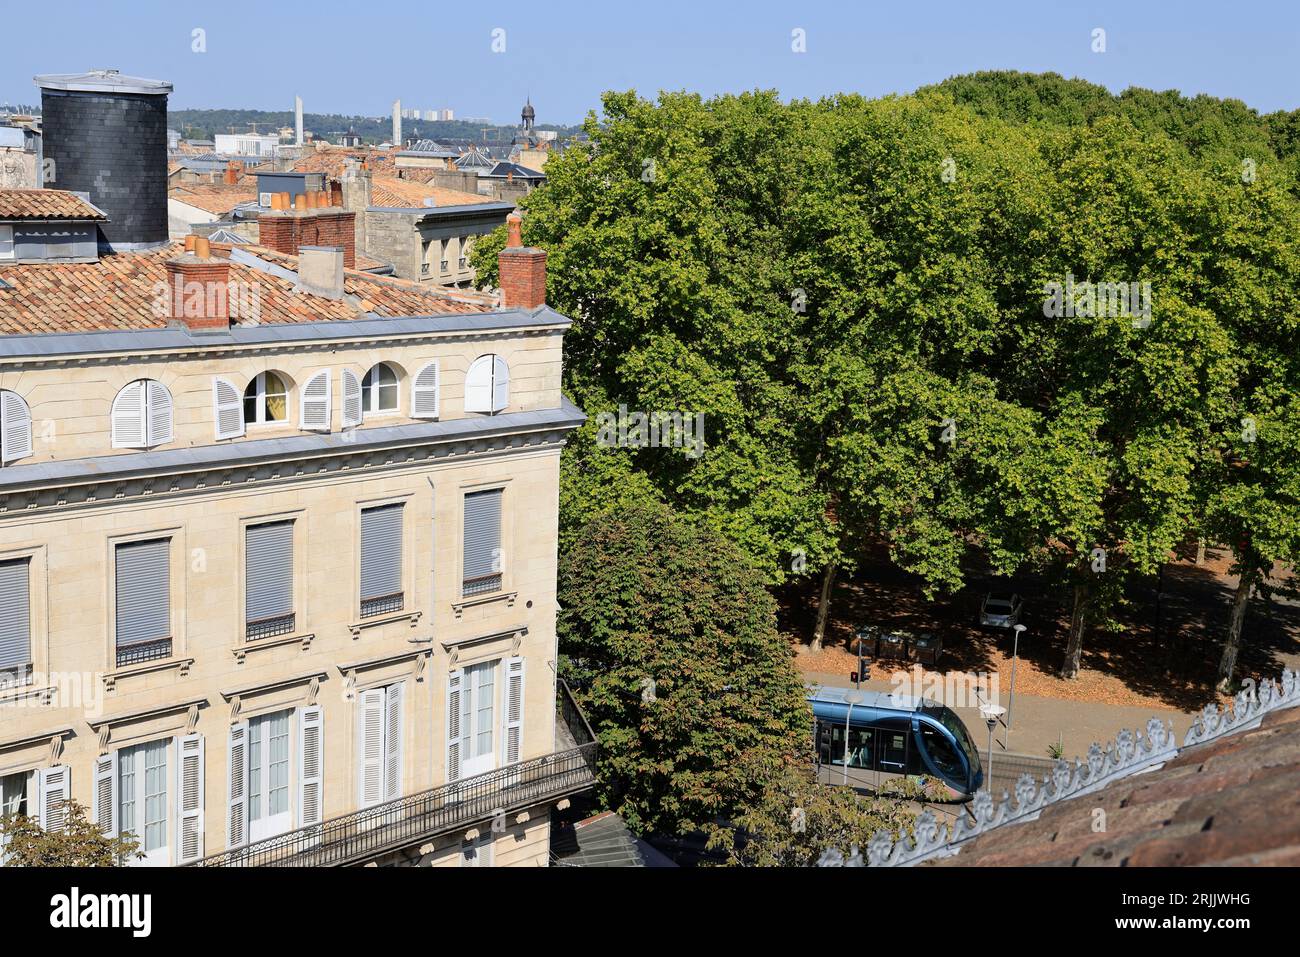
259,397
372,389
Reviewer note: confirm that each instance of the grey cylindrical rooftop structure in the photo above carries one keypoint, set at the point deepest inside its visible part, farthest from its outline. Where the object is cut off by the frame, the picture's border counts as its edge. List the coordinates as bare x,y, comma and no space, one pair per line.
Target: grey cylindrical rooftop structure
107,136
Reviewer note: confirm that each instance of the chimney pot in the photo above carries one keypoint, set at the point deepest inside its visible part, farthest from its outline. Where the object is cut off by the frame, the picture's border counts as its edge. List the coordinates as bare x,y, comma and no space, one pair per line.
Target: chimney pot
513,223
202,248
189,242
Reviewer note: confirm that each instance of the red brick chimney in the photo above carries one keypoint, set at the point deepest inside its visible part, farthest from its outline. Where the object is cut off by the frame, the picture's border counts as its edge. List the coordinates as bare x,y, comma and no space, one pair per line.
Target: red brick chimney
522,269
318,224
233,170
198,289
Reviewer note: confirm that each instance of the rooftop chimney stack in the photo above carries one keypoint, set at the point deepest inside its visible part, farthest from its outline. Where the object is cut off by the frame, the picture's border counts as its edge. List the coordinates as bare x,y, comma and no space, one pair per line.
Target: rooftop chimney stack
522,269
199,289
397,122
297,121
320,271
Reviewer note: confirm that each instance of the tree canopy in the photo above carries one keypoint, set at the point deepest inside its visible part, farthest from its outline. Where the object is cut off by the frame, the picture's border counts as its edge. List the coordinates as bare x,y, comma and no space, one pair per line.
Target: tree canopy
1014,315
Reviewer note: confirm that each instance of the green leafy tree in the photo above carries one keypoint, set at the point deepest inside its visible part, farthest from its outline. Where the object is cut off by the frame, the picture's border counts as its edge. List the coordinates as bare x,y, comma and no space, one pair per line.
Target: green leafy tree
670,641
794,819
79,843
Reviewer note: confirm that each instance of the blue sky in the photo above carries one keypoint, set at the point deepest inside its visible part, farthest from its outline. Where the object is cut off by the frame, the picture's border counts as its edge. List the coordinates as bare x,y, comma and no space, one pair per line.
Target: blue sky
358,57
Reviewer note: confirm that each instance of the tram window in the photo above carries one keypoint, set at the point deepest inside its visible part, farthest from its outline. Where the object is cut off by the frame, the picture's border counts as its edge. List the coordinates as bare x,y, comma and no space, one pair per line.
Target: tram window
860,747
893,746
942,753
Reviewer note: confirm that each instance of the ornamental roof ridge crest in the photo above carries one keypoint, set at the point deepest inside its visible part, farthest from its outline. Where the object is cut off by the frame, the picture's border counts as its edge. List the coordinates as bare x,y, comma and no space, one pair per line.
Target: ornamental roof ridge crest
1130,753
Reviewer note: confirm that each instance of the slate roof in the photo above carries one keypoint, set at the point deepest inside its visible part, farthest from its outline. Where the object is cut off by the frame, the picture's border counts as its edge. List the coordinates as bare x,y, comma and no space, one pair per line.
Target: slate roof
17,204
502,170
119,292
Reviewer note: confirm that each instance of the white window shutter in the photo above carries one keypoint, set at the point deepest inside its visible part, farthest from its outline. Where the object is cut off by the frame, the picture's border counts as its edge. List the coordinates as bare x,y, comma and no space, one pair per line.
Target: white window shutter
159,417
189,798
15,427
53,789
393,742
106,802
128,416
311,770
478,385
512,738
237,795
315,405
227,409
370,747
455,680
351,399
500,384
424,392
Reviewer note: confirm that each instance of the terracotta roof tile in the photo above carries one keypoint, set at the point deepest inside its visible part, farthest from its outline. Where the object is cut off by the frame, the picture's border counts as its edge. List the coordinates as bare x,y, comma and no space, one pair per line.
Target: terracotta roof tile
46,204
1232,801
119,292
403,193
215,197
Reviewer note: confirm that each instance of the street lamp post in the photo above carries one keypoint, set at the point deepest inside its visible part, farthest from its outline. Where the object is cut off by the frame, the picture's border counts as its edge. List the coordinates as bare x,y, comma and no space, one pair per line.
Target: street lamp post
1011,698
991,713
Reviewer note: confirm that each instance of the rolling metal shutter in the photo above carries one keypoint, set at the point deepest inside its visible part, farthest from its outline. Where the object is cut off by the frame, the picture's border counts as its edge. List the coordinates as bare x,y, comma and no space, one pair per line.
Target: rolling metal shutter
381,552
482,542
15,615
268,570
143,591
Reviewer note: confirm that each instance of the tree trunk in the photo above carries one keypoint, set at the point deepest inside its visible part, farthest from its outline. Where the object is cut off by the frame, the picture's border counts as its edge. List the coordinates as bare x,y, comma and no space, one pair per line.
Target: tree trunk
823,607
1232,645
1074,644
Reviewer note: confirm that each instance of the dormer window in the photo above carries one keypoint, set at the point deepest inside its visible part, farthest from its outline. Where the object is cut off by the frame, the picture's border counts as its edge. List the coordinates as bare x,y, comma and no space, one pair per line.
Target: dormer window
142,415
15,427
379,390
487,385
266,399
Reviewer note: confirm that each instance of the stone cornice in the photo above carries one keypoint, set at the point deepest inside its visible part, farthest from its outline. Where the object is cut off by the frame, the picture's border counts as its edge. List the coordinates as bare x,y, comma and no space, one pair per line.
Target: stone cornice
97,489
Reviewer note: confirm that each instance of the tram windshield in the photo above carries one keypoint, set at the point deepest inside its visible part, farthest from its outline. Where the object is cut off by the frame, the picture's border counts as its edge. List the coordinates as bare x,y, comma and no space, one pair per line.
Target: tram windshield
949,720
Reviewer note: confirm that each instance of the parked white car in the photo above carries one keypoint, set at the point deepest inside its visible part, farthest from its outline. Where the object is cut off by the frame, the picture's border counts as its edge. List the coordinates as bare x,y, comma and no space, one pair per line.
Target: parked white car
1000,610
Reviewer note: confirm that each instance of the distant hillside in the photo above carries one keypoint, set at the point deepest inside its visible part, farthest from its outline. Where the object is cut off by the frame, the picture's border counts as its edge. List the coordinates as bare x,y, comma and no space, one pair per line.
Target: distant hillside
204,124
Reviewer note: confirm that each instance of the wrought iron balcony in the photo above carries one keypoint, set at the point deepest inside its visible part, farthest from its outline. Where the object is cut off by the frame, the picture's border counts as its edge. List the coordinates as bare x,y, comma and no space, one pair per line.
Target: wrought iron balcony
412,820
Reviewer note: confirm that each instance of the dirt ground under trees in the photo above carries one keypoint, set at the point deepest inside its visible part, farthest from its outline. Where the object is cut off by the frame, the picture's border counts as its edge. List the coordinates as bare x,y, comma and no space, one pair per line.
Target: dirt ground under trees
1166,654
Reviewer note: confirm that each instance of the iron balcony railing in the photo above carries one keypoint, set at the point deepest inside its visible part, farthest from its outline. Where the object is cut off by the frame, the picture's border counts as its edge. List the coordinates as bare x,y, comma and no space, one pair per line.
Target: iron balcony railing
368,833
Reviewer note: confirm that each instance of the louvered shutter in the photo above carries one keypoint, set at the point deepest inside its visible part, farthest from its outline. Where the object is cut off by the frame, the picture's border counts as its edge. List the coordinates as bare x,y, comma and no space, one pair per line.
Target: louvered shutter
15,615
424,392
54,788
393,742
189,798
311,766
227,409
500,384
15,427
143,591
482,541
478,385
315,405
237,793
370,747
128,416
268,571
513,732
381,551
351,399
106,801
159,418
455,682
